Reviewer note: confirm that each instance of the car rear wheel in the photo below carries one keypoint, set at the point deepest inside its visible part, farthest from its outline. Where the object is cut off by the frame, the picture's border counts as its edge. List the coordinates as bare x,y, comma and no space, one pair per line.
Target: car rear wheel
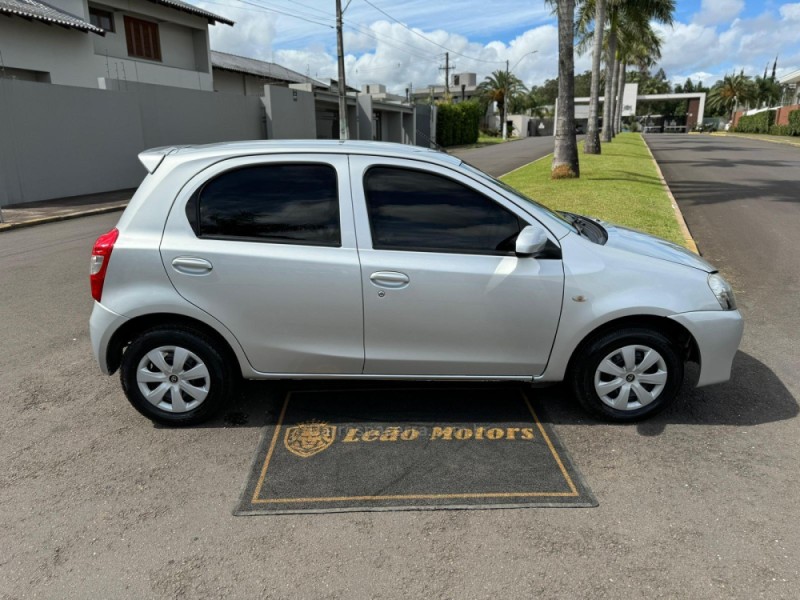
627,375
176,376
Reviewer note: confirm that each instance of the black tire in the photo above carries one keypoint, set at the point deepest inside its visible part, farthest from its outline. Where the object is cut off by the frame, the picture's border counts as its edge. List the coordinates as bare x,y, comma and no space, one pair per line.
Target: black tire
221,381
585,365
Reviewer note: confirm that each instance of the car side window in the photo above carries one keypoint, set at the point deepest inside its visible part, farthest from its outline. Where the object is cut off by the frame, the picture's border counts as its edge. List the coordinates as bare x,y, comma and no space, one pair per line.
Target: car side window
421,211
277,203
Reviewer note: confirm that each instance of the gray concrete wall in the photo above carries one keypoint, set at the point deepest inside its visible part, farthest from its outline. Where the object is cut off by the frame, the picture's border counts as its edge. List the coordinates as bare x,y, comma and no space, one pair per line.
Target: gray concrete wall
75,58
290,113
364,117
63,141
32,45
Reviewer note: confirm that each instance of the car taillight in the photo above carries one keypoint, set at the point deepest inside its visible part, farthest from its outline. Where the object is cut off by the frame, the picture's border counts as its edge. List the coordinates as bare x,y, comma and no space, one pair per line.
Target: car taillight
101,253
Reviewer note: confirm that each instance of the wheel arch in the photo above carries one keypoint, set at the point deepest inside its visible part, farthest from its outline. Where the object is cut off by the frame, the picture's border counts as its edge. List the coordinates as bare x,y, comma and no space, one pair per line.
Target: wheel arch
673,330
123,336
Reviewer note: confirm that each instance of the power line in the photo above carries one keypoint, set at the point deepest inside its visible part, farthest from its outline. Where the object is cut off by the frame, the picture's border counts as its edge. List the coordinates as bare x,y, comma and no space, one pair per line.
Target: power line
280,12
427,39
386,41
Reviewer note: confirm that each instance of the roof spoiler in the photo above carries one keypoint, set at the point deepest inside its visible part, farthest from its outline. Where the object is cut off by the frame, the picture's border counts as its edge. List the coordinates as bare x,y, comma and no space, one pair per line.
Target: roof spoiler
152,158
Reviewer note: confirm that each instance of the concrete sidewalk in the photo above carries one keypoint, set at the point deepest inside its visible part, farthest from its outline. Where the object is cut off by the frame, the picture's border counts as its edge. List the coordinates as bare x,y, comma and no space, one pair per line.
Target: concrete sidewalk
36,213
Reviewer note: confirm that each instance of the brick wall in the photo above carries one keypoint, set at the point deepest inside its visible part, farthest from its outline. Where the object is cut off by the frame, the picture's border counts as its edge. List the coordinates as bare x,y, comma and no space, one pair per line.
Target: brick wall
782,117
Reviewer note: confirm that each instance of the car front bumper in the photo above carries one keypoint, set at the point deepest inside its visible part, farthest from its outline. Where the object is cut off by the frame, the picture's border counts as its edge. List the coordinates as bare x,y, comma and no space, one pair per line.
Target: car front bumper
717,334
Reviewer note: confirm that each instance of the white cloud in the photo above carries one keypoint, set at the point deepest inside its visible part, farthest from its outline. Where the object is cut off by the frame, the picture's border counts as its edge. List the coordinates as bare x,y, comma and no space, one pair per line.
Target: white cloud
790,12
713,12
718,39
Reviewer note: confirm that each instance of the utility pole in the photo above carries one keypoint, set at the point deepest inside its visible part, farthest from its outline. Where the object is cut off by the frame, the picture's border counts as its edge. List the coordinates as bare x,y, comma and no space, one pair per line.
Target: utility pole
447,68
505,106
342,87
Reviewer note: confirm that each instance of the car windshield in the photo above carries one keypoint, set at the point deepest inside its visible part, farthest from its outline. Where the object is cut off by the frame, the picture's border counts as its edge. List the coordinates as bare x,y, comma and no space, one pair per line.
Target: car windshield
558,216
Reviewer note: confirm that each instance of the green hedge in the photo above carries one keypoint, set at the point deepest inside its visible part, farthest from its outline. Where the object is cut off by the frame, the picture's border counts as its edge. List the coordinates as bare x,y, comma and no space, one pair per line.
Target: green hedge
794,122
780,130
759,123
458,124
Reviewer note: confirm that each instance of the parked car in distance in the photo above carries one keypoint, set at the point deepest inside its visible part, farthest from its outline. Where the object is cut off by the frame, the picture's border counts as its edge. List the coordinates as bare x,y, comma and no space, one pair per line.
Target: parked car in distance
365,260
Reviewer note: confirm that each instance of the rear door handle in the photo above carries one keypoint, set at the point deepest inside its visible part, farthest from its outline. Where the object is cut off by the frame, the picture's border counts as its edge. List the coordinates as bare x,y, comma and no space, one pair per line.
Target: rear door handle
389,279
191,265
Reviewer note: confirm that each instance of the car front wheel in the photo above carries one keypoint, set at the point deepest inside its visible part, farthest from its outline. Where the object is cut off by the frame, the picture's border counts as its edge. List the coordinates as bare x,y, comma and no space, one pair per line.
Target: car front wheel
627,375
175,376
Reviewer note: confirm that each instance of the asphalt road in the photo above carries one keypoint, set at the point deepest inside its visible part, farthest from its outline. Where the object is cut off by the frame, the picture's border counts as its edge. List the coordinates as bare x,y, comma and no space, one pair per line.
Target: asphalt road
499,159
700,502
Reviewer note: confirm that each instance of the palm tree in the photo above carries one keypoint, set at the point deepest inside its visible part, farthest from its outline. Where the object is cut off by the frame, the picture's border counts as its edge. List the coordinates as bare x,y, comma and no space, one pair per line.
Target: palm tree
592,143
565,155
495,87
623,17
728,93
640,47
768,91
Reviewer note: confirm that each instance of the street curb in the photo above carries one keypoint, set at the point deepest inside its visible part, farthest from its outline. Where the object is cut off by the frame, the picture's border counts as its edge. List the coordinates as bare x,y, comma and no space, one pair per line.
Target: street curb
525,165
65,217
757,139
687,235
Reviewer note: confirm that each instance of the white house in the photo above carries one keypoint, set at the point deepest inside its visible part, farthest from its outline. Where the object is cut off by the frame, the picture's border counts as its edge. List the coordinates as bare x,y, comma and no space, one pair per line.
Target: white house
77,42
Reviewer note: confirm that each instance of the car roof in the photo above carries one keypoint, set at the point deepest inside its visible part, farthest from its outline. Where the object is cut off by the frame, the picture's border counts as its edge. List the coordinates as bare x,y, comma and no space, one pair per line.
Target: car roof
153,157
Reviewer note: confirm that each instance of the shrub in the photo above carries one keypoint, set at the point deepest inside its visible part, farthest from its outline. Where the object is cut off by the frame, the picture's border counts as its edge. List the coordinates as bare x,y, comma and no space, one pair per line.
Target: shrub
758,123
457,124
780,130
794,122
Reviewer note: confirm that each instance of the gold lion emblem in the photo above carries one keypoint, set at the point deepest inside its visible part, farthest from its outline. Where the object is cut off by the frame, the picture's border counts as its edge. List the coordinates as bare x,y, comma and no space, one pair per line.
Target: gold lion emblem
307,439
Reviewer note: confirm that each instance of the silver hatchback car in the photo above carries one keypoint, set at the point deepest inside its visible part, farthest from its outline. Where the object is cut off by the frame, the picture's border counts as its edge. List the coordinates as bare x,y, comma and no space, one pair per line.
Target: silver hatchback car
360,260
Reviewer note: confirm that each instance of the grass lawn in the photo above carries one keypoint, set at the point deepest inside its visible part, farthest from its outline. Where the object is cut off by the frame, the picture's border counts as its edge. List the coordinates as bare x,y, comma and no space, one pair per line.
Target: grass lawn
620,186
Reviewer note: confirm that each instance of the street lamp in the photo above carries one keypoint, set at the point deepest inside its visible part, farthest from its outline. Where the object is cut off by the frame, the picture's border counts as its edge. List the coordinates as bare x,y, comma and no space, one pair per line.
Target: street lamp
505,93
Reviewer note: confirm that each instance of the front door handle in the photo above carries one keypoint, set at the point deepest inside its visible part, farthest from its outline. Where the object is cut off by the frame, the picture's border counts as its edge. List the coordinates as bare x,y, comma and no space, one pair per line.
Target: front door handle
389,279
191,265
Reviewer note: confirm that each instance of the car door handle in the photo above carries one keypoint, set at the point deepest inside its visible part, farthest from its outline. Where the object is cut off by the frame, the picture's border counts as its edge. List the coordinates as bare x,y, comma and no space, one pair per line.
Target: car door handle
190,265
389,279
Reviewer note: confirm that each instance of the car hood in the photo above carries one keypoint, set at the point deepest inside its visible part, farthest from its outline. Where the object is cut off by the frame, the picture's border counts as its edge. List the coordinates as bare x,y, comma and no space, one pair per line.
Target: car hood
649,245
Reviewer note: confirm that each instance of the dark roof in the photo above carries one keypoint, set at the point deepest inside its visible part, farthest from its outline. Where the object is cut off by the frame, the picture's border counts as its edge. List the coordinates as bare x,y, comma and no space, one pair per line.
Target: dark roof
39,11
259,68
191,9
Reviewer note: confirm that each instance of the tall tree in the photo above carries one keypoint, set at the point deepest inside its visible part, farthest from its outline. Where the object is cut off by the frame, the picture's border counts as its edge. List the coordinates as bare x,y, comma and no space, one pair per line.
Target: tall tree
495,87
768,91
622,18
592,143
639,46
565,155
731,92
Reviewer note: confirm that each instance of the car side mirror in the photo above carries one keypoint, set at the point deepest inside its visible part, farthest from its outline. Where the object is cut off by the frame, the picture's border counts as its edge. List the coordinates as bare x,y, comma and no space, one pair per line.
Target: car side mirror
530,241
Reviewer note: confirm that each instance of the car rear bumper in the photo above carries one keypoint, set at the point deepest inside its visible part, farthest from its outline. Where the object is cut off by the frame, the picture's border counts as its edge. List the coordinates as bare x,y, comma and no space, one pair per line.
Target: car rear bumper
717,334
102,325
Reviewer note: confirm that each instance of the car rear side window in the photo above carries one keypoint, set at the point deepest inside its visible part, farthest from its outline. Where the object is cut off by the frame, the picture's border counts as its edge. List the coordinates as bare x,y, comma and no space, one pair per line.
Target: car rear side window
421,211
278,203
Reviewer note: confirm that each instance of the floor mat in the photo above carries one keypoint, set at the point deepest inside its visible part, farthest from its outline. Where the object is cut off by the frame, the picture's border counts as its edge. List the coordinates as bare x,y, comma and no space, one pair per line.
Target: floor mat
410,448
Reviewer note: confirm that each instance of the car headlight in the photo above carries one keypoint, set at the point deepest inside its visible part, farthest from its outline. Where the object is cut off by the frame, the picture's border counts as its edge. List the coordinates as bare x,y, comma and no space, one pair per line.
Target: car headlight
723,291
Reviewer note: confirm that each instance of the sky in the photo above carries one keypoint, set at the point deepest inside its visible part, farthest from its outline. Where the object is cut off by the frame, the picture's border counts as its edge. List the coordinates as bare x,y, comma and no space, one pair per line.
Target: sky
402,44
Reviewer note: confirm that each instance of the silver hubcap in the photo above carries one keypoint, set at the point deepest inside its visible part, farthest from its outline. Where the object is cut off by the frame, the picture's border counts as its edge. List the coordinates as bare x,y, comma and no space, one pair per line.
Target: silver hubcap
173,379
630,377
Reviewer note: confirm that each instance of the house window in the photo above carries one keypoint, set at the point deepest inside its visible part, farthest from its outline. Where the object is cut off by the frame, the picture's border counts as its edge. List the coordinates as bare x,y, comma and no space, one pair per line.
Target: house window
142,39
103,19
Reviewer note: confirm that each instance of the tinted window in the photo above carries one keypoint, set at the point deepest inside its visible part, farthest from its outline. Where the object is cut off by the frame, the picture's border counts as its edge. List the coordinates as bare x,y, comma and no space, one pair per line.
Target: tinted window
415,210
294,204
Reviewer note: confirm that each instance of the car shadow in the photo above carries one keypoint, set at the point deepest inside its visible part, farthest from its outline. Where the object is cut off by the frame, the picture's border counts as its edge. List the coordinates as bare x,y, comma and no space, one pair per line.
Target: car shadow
755,395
